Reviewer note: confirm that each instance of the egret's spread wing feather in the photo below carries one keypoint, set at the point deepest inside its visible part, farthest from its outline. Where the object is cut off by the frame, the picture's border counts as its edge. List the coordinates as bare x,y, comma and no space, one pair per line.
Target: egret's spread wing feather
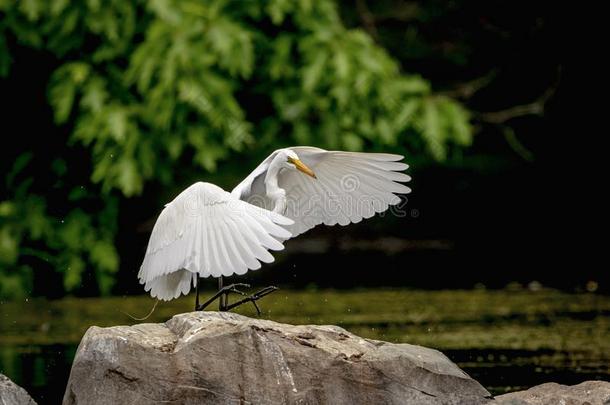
350,186
207,231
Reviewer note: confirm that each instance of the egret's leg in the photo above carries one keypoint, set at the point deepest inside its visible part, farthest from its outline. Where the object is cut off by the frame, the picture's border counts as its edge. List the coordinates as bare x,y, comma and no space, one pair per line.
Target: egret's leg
220,293
253,298
221,300
197,292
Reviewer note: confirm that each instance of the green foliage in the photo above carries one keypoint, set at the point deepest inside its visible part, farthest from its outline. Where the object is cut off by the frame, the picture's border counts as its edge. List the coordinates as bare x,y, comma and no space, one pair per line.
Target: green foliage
144,85
69,242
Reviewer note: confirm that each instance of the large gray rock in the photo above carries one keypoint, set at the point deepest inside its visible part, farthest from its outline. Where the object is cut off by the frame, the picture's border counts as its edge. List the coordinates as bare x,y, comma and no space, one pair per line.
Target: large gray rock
12,394
225,358
587,393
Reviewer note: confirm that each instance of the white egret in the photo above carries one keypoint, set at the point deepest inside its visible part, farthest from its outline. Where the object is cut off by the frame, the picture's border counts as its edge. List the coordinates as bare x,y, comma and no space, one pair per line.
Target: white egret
206,231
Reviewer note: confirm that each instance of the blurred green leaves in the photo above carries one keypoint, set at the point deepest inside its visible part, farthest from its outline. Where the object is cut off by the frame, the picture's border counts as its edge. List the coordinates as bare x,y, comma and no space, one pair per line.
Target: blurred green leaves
30,234
148,85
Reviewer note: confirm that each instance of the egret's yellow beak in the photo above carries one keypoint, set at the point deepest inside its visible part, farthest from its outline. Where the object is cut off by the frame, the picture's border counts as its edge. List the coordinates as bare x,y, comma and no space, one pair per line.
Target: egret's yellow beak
302,167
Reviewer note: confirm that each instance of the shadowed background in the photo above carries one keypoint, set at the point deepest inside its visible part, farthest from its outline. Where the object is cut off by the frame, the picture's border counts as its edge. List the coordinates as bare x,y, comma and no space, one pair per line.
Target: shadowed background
113,110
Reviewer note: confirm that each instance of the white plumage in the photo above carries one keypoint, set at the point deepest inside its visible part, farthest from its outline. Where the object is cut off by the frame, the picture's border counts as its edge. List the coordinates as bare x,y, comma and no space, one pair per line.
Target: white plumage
207,231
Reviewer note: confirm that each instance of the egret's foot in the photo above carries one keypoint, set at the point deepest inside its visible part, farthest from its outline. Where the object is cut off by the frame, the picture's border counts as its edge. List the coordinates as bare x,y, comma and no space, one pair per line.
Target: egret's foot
253,298
231,288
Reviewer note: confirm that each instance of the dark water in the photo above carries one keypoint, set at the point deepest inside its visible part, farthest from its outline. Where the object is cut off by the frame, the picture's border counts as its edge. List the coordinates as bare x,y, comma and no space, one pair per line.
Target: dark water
507,340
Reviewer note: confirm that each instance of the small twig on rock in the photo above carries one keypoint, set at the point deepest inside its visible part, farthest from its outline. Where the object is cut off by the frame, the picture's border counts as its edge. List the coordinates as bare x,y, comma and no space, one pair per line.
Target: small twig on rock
146,317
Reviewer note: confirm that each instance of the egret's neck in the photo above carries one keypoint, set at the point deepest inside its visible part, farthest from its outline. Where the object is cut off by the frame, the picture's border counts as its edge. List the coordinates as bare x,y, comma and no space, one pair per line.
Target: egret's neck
271,178
274,191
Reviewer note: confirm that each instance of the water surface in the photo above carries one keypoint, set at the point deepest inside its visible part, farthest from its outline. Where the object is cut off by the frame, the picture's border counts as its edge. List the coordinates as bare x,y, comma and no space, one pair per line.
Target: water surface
505,339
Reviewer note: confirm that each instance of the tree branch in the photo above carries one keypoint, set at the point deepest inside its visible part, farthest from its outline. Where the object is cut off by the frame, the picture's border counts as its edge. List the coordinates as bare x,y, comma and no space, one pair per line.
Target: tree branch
403,11
468,89
500,117
368,19
516,145
534,108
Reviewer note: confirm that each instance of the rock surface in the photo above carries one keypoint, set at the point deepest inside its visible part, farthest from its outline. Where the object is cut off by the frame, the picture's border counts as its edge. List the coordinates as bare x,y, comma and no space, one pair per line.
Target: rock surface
12,394
587,393
225,358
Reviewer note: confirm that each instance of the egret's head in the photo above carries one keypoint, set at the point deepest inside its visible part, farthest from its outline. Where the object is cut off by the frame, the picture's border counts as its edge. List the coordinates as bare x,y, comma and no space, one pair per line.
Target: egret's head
293,161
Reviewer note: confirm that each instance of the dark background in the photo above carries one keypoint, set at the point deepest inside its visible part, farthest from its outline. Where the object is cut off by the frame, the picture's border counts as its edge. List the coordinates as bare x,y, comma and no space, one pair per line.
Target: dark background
501,211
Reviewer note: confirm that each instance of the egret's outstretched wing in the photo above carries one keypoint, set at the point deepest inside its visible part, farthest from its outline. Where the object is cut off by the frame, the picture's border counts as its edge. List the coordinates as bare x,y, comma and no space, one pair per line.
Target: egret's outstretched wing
350,186
205,230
